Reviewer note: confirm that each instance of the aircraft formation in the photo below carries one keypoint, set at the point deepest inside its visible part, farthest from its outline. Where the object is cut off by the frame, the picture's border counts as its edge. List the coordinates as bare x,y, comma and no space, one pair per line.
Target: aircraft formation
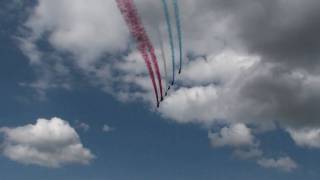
146,48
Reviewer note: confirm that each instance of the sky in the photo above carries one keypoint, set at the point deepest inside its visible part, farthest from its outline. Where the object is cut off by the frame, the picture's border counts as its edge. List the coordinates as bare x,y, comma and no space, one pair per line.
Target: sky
77,102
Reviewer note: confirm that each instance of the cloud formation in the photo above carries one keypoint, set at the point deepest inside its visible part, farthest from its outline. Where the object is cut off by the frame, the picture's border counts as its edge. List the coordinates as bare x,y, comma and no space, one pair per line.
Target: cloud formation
50,143
245,146
261,67
82,126
236,135
283,163
306,137
106,128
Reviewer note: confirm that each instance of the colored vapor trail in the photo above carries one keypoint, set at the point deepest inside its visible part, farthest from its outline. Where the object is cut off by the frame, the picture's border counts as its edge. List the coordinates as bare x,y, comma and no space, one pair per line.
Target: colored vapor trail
167,16
130,14
155,63
178,24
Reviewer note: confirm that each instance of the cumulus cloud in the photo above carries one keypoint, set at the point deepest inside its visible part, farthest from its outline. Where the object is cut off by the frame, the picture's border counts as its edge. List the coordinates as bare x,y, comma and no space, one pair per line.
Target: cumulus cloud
86,29
217,68
205,102
245,147
240,139
283,163
49,143
236,135
306,137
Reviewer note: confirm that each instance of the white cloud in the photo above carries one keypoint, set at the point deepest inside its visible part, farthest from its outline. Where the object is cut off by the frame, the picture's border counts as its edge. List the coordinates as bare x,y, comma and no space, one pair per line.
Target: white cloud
236,135
212,91
87,29
192,105
82,125
106,128
283,163
306,137
31,50
221,68
49,143
245,147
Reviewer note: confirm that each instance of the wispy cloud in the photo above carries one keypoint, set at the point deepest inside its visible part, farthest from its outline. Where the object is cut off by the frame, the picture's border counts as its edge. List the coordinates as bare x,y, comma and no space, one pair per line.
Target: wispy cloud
106,128
283,163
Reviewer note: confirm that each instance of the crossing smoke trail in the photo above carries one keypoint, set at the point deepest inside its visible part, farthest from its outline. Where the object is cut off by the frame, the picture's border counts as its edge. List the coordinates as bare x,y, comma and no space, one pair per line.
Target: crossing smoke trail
178,24
167,16
164,59
131,17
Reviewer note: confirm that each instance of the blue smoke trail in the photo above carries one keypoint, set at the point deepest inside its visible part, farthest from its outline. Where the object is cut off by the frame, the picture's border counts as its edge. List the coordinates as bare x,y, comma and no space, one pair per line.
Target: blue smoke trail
167,16
178,24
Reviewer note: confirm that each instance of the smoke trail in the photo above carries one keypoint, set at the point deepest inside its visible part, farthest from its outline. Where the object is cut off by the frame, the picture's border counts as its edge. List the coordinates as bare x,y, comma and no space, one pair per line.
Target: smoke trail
163,55
147,43
155,63
178,24
167,16
131,17
150,48
149,67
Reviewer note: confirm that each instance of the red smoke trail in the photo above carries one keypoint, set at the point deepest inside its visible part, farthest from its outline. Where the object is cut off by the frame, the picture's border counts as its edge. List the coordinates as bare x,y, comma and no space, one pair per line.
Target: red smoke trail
135,26
149,67
136,20
155,63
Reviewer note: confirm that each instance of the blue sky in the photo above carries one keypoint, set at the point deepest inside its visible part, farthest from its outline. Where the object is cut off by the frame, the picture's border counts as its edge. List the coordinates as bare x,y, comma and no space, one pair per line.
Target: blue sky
200,126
